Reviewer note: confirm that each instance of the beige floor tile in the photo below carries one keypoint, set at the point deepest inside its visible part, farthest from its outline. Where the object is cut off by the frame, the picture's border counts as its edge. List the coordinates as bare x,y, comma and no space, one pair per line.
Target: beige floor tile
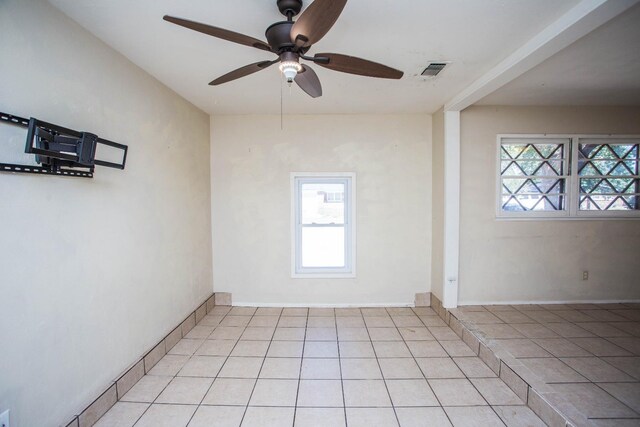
628,365
229,391
202,366
411,393
268,417
250,349
258,333
320,393
281,368
480,317
373,311
167,416
227,333
264,321
426,349
513,316
185,391
350,322
147,389
321,334
217,416
295,312
400,311
457,348
268,311
519,347
384,334
553,371
631,344
241,367
122,414
243,311
292,322
320,369
211,320
473,367
186,347
371,417
496,392
320,417
544,316
385,349
456,392
321,322
435,367
169,365
348,312
603,329
353,334
443,333
289,334
432,321
285,349
600,347
357,349
422,417
322,312
365,393
568,330
574,316
397,368
407,321
216,348
424,311
274,393
534,330
360,369
518,416
592,401
220,310
627,393
473,417
632,328
596,369
415,333
561,347
497,331
321,349
199,332
379,322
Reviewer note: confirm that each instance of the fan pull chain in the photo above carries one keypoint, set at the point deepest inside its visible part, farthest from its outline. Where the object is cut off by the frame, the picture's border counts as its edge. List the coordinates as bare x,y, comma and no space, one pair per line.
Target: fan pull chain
281,108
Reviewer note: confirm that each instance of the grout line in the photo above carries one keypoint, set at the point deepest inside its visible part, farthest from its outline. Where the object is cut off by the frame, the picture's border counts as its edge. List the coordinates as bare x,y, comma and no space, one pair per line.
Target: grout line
304,341
344,401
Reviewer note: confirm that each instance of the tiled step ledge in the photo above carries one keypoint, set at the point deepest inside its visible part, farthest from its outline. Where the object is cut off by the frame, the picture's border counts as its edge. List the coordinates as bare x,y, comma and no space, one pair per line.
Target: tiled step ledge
528,387
120,386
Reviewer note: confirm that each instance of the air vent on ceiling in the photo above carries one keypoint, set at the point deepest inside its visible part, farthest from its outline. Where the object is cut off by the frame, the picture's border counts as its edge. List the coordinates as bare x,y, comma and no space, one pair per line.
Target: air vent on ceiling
434,69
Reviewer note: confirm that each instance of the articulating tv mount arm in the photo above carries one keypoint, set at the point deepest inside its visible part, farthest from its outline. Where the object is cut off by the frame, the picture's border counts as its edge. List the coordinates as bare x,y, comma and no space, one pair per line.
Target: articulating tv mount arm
60,151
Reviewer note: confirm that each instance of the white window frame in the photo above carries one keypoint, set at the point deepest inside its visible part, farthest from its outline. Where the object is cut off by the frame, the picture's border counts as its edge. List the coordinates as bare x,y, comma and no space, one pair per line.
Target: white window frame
572,188
349,270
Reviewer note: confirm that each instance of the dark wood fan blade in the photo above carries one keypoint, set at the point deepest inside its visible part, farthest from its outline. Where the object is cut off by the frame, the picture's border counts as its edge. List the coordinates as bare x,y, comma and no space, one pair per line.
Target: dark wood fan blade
353,65
219,33
243,71
316,21
308,81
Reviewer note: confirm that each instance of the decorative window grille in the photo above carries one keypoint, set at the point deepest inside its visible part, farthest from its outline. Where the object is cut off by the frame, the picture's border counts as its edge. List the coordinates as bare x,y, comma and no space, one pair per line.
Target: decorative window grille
568,176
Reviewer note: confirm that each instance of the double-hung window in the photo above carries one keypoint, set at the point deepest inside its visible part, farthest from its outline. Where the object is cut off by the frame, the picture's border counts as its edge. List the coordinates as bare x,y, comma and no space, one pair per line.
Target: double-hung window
568,176
323,214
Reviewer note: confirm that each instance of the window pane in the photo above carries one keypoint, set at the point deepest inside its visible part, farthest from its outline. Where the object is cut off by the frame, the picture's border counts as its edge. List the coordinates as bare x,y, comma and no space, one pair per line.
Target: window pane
610,174
323,247
322,203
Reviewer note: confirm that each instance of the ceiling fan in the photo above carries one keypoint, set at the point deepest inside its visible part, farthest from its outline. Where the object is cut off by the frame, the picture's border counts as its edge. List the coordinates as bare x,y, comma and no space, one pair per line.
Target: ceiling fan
290,41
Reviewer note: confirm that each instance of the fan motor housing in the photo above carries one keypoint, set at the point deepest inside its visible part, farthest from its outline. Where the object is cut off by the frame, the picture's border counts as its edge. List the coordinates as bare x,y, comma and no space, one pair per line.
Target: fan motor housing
292,7
279,36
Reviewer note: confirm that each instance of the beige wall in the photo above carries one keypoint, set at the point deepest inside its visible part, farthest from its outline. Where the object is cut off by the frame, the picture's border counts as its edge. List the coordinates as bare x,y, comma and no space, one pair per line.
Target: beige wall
93,271
251,162
503,261
437,223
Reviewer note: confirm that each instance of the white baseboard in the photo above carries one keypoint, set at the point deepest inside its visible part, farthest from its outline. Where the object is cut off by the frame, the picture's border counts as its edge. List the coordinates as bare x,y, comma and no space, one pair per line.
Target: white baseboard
315,305
529,302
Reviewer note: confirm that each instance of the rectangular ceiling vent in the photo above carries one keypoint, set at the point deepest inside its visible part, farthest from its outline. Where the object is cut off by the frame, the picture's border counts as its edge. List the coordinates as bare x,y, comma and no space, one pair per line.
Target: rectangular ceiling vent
434,69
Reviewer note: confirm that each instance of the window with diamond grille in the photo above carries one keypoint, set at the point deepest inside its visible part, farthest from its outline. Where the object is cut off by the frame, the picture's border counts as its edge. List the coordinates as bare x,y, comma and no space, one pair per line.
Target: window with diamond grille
609,179
533,175
568,176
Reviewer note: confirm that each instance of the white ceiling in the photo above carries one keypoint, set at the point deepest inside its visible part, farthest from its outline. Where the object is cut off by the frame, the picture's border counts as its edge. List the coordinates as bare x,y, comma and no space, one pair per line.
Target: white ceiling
602,68
405,34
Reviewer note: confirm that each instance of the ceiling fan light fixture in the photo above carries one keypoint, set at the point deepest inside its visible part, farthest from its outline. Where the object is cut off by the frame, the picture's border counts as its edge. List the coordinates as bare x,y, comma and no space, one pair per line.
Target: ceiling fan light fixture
290,69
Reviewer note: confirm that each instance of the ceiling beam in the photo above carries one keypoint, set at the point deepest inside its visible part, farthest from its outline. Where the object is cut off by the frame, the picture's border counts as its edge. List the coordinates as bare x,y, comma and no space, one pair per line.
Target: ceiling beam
579,21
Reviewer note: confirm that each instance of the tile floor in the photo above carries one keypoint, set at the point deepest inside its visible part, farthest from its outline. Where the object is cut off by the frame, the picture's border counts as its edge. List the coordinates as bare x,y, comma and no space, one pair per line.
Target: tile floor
583,358
320,367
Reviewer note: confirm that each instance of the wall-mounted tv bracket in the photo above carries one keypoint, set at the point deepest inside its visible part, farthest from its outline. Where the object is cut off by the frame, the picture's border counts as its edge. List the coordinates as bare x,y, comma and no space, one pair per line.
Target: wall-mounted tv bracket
60,151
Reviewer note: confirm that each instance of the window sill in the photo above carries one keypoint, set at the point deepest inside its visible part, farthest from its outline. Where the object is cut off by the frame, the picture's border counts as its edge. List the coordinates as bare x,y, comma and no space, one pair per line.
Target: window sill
323,275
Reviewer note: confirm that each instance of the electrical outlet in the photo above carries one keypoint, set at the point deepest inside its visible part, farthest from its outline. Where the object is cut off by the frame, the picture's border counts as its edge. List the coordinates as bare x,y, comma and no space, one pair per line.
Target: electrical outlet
4,419
585,275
